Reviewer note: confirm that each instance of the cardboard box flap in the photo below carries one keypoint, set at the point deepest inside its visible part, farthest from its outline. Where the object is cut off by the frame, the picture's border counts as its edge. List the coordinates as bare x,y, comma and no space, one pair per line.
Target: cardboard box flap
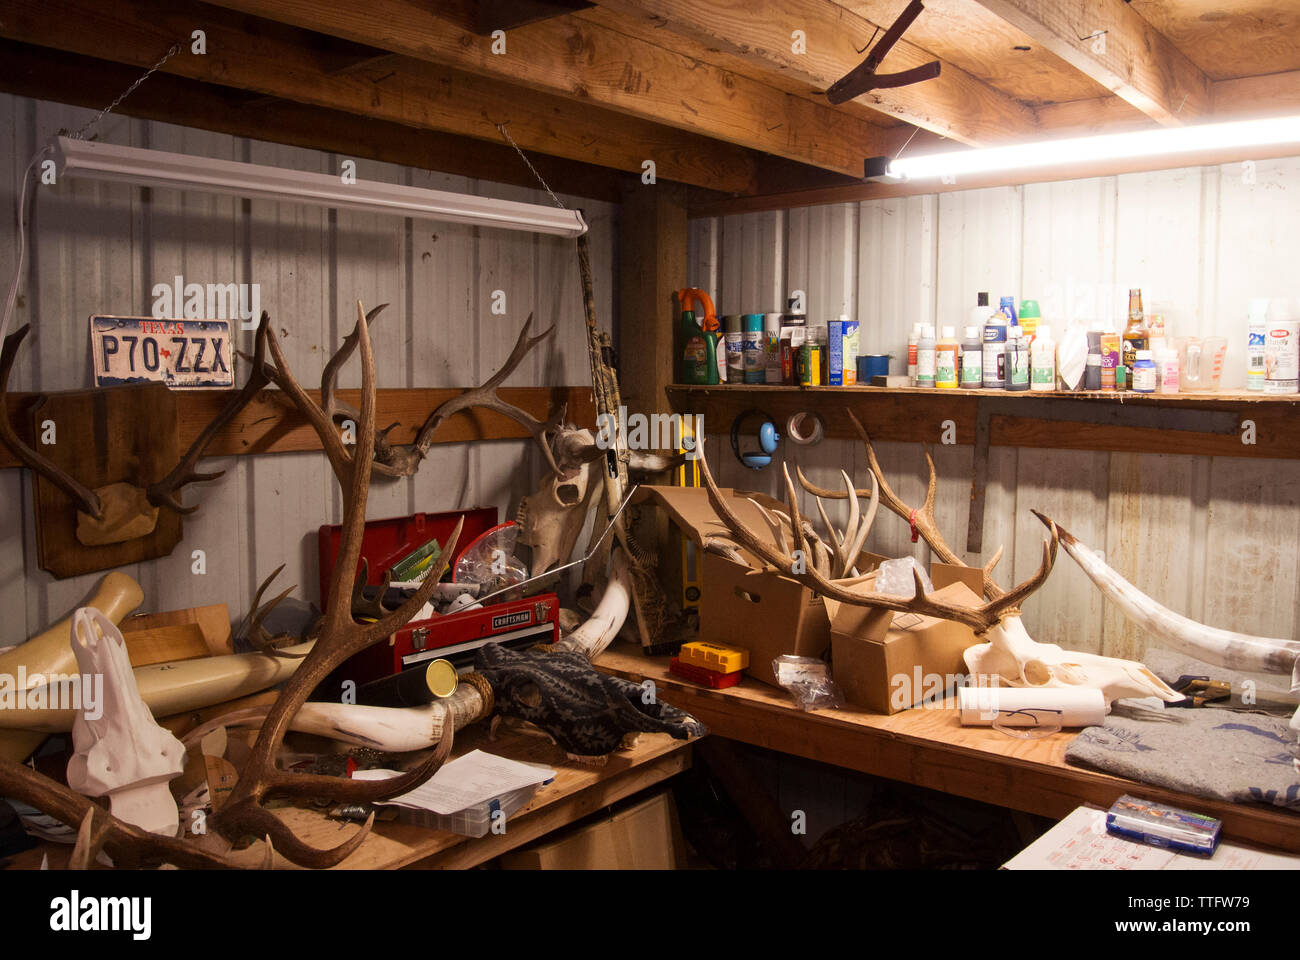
691,511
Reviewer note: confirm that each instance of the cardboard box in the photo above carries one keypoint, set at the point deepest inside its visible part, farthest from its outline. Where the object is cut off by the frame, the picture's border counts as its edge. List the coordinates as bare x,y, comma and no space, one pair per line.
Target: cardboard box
645,836
882,659
746,605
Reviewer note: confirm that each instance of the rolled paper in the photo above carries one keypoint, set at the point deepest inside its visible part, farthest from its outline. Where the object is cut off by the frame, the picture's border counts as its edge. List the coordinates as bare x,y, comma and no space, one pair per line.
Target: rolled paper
1031,706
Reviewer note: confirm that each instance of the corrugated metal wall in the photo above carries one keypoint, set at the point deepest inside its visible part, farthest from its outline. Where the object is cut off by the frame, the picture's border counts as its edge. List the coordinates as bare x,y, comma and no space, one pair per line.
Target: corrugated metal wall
100,248
1213,538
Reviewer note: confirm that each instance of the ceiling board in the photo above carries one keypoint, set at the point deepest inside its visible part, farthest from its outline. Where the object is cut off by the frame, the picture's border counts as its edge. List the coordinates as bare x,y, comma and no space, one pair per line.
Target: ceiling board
1230,38
968,36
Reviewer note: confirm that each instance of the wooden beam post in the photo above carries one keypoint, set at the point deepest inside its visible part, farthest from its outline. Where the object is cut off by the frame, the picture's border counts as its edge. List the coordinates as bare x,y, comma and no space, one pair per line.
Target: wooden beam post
652,265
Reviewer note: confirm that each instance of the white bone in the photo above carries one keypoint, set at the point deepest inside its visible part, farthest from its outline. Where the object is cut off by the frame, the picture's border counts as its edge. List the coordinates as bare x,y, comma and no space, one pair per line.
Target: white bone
122,753
1011,654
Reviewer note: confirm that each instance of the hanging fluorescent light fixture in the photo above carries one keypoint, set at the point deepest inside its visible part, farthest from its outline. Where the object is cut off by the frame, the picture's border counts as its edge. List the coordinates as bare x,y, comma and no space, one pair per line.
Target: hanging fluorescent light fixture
1168,141
154,168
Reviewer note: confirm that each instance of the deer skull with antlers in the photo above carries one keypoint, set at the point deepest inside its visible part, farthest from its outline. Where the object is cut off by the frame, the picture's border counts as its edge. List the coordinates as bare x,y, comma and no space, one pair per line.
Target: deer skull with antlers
1006,650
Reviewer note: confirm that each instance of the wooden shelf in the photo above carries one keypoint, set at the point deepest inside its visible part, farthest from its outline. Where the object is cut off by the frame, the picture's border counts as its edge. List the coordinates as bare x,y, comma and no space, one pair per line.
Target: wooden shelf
930,748
268,425
1207,424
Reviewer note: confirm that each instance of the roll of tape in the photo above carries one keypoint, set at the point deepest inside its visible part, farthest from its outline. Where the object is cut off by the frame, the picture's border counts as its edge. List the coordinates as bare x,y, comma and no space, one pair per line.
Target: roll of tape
794,429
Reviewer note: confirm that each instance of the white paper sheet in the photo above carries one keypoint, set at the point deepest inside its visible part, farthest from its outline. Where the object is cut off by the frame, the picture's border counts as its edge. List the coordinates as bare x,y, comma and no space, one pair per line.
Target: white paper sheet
1080,842
472,779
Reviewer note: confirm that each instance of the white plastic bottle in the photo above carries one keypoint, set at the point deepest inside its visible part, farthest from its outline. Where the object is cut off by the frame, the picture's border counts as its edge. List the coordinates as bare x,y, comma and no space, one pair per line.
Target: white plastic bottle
1042,361
925,357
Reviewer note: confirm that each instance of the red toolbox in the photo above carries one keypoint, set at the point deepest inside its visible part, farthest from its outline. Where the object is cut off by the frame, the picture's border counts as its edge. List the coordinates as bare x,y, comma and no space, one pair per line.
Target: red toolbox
454,636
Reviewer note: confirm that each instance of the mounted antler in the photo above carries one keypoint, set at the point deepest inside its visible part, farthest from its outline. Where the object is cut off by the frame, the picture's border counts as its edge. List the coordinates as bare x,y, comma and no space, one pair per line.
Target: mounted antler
87,502
163,492
404,460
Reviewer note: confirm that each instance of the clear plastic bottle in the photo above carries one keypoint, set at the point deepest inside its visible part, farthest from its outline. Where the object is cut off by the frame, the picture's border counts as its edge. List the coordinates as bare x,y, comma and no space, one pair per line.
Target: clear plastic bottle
1042,361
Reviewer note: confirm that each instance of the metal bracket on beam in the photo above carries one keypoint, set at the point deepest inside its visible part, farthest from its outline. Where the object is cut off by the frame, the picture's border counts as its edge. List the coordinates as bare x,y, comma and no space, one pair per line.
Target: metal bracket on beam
1074,411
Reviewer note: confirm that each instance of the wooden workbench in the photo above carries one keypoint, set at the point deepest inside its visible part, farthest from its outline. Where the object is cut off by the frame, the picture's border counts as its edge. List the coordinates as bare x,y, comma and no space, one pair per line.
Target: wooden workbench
577,791
930,748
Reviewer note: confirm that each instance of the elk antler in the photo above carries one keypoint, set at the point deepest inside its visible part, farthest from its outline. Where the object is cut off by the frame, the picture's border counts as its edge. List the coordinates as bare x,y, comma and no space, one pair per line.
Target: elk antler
163,492
340,638
979,619
256,634
922,518
86,500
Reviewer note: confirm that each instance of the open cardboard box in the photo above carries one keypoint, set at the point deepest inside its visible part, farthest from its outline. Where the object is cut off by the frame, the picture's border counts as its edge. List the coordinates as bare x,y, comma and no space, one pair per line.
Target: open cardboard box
745,605
883,660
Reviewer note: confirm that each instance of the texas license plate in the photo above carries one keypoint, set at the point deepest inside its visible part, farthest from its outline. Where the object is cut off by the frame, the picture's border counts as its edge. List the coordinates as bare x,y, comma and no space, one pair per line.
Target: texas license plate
186,354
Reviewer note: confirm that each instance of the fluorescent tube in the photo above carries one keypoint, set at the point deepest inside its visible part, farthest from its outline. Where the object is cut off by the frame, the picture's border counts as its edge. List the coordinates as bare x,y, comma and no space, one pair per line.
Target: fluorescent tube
1167,141
154,168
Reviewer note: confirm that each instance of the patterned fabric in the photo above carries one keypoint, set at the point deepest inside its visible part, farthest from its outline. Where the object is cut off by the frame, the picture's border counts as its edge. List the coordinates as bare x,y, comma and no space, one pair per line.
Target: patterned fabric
586,711
1223,754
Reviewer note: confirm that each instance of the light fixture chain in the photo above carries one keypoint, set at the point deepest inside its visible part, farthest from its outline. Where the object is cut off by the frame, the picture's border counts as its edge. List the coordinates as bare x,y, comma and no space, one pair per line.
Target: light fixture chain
522,156
80,134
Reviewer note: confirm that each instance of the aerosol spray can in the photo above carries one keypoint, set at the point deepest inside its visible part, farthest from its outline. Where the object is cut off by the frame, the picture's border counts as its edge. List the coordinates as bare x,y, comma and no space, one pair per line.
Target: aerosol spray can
1256,339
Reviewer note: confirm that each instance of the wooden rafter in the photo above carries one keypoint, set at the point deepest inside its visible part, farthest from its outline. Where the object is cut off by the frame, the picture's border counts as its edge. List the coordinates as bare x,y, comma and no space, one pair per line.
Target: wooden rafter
954,104
1112,44
580,60
44,74
421,95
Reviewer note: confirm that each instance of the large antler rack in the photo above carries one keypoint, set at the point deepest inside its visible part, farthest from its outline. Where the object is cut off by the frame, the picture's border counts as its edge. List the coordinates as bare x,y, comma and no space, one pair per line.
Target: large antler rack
339,638
797,566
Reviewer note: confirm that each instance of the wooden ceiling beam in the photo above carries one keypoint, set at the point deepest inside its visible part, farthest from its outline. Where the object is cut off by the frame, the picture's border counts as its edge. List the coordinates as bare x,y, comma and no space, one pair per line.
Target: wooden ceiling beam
584,61
954,104
418,95
1111,43
44,74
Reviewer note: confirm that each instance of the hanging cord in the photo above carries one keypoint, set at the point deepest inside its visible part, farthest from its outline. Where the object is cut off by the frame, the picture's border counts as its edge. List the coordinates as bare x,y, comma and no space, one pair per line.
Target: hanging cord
528,163
23,206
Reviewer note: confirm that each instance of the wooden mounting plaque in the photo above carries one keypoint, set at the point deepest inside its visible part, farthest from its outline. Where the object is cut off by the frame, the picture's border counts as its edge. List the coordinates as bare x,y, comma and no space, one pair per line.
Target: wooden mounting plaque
129,434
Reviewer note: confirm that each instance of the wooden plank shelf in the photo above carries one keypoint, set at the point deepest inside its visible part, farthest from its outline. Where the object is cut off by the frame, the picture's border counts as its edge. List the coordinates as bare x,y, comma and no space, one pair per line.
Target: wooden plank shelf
269,425
1206,424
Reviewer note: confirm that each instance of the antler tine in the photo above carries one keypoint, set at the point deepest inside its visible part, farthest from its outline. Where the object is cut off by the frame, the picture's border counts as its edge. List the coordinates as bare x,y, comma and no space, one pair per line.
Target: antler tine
246,818
163,492
329,378
922,518
485,396
1012,599
86,500
778,532
283,378
257,612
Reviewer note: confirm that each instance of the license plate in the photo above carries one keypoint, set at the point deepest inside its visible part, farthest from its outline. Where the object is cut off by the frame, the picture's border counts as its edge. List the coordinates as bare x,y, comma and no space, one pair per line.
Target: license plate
184,354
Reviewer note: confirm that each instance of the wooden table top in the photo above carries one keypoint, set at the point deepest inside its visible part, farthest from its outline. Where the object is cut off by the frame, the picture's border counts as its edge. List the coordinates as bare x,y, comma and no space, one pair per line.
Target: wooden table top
930,748
577,791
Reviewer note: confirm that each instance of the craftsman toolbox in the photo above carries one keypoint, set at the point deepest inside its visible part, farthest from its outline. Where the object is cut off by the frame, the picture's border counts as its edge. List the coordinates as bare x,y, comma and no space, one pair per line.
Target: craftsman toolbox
453,636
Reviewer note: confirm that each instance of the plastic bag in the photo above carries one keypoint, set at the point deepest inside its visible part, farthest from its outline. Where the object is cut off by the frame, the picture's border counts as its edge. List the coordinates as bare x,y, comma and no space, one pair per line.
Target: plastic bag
490,560
808,681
